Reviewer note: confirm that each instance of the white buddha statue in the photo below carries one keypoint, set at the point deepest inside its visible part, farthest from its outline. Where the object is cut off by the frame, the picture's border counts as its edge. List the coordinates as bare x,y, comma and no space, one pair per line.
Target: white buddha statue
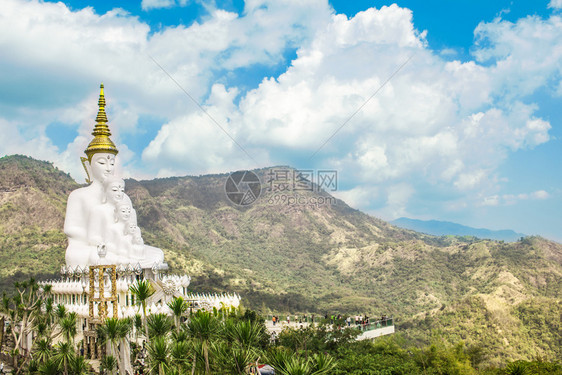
138,250
90,213
102,214
118,242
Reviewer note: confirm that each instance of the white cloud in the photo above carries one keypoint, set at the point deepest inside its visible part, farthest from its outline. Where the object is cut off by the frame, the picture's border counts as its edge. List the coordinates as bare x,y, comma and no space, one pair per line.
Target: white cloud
491,201
444,124
197,143
360,196
557,4
155,4
63,55
435,118
471,179
398,197
12,141
511,199
540,194
525,54
441,122
448,52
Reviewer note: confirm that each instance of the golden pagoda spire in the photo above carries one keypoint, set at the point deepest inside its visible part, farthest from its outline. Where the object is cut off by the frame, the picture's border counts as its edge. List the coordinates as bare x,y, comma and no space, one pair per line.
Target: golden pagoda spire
101,133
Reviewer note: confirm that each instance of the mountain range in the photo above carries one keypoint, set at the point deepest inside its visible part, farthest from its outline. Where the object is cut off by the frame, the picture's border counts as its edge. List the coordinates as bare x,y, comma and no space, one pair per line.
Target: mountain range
446,228
283,257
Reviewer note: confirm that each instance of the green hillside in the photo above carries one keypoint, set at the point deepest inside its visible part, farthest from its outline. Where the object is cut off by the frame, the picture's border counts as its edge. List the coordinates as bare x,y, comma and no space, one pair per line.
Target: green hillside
325,259
32,203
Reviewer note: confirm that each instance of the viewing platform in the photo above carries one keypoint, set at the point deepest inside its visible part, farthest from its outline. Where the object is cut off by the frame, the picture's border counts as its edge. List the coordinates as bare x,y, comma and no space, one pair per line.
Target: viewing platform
376,329
373,329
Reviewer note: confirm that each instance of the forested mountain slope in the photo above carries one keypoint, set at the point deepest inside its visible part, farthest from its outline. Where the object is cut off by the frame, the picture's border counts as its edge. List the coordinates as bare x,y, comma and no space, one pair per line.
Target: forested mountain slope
326,258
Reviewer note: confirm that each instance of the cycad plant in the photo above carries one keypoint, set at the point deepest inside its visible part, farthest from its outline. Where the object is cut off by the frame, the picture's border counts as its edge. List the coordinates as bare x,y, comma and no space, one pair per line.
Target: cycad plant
242,339
278,358
517,368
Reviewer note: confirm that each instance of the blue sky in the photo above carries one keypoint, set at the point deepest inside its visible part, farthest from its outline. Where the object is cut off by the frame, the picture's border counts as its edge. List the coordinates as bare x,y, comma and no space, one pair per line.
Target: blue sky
467,131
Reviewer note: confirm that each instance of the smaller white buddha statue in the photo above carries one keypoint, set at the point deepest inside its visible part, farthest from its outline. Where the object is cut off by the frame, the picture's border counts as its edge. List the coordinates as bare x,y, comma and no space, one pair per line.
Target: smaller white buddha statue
137,249
118,242
103,214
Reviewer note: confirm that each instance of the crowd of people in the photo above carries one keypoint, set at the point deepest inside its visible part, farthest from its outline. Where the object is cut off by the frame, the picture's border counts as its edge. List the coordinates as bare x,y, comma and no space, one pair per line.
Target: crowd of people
297,319
339,320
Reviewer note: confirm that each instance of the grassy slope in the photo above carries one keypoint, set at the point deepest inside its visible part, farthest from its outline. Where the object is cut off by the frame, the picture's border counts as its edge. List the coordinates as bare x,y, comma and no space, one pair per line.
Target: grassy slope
32,202
505,297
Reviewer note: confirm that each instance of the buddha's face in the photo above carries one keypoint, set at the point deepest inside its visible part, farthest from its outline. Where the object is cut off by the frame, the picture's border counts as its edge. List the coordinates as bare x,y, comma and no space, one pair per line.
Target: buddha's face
101,166
124,213
115,192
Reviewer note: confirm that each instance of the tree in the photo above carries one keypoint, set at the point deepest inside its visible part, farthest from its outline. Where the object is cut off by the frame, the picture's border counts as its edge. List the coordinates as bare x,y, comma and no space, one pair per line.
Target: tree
180,355
114,333
108,334
60,312
108,363
159,355
137,323
54,322
68,327
203,327
64,354
23,309
182,335
159,325
142,291
79,366
178,306
242,339
234,358
287,363
245,332
43,350
49,368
